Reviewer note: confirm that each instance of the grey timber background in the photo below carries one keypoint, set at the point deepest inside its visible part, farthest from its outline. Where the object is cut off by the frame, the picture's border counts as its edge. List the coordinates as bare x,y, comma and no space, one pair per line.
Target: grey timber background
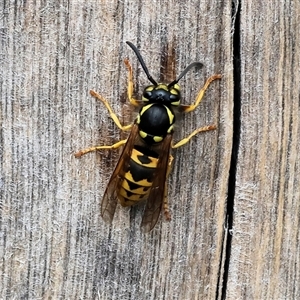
234,232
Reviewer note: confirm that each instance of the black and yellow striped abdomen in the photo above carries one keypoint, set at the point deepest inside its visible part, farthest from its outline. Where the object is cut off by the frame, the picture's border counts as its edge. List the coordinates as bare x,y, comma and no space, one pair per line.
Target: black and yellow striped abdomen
138,178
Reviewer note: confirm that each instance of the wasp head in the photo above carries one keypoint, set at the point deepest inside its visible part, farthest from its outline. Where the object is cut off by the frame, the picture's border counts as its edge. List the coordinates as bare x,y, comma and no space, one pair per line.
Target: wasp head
162,93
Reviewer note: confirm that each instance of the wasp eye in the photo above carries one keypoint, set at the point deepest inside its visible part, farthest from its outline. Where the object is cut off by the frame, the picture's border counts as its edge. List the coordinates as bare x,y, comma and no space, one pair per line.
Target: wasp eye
147,94
174,97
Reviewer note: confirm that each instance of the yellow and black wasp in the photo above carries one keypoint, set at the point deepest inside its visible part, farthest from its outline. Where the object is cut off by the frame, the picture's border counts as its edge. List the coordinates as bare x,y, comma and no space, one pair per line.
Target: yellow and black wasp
145,162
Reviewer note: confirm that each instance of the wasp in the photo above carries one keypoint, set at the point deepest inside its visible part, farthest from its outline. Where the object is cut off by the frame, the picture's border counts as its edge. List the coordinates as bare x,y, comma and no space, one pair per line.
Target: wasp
145,162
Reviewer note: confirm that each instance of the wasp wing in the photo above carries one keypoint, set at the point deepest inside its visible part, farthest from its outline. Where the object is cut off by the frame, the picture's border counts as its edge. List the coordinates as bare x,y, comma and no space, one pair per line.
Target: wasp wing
110,198
156,196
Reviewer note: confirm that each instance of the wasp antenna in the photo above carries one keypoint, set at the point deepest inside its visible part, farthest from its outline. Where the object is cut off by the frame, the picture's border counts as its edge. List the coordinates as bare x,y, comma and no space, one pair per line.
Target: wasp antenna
192,65
139,56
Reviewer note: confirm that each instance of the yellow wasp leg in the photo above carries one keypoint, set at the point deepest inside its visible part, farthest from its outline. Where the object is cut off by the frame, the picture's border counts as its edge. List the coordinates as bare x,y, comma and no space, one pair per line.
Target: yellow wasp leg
130,84
165,204
189,108
95,148
111,113
186,140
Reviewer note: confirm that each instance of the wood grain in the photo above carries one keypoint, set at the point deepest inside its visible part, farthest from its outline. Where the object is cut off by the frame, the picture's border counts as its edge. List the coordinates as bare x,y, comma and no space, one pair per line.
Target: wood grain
265,245
54,245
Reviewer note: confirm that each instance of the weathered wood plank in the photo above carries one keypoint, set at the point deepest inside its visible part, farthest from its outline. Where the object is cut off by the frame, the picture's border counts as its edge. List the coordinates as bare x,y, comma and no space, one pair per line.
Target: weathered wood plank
265,244
53,242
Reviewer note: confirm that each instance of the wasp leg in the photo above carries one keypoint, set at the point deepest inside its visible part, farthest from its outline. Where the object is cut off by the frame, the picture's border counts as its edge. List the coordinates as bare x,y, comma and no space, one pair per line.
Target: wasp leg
111,113
165,204
189,108
187,139
95,148
133,101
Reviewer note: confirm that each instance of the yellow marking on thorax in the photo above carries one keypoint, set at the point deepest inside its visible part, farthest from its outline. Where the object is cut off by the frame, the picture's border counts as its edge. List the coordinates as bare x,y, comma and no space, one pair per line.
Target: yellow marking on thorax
146,107
170,115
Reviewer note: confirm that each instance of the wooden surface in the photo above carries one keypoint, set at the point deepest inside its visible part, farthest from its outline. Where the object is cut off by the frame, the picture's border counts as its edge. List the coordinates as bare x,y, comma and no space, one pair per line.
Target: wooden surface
54,245
265,252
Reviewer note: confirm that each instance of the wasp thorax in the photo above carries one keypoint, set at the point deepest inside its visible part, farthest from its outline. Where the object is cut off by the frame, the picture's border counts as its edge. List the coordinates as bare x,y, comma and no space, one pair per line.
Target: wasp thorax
163,94
155,121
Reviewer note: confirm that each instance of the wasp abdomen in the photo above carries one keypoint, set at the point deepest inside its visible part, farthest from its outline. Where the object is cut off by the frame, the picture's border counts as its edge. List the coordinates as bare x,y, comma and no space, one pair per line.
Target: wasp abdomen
138,177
